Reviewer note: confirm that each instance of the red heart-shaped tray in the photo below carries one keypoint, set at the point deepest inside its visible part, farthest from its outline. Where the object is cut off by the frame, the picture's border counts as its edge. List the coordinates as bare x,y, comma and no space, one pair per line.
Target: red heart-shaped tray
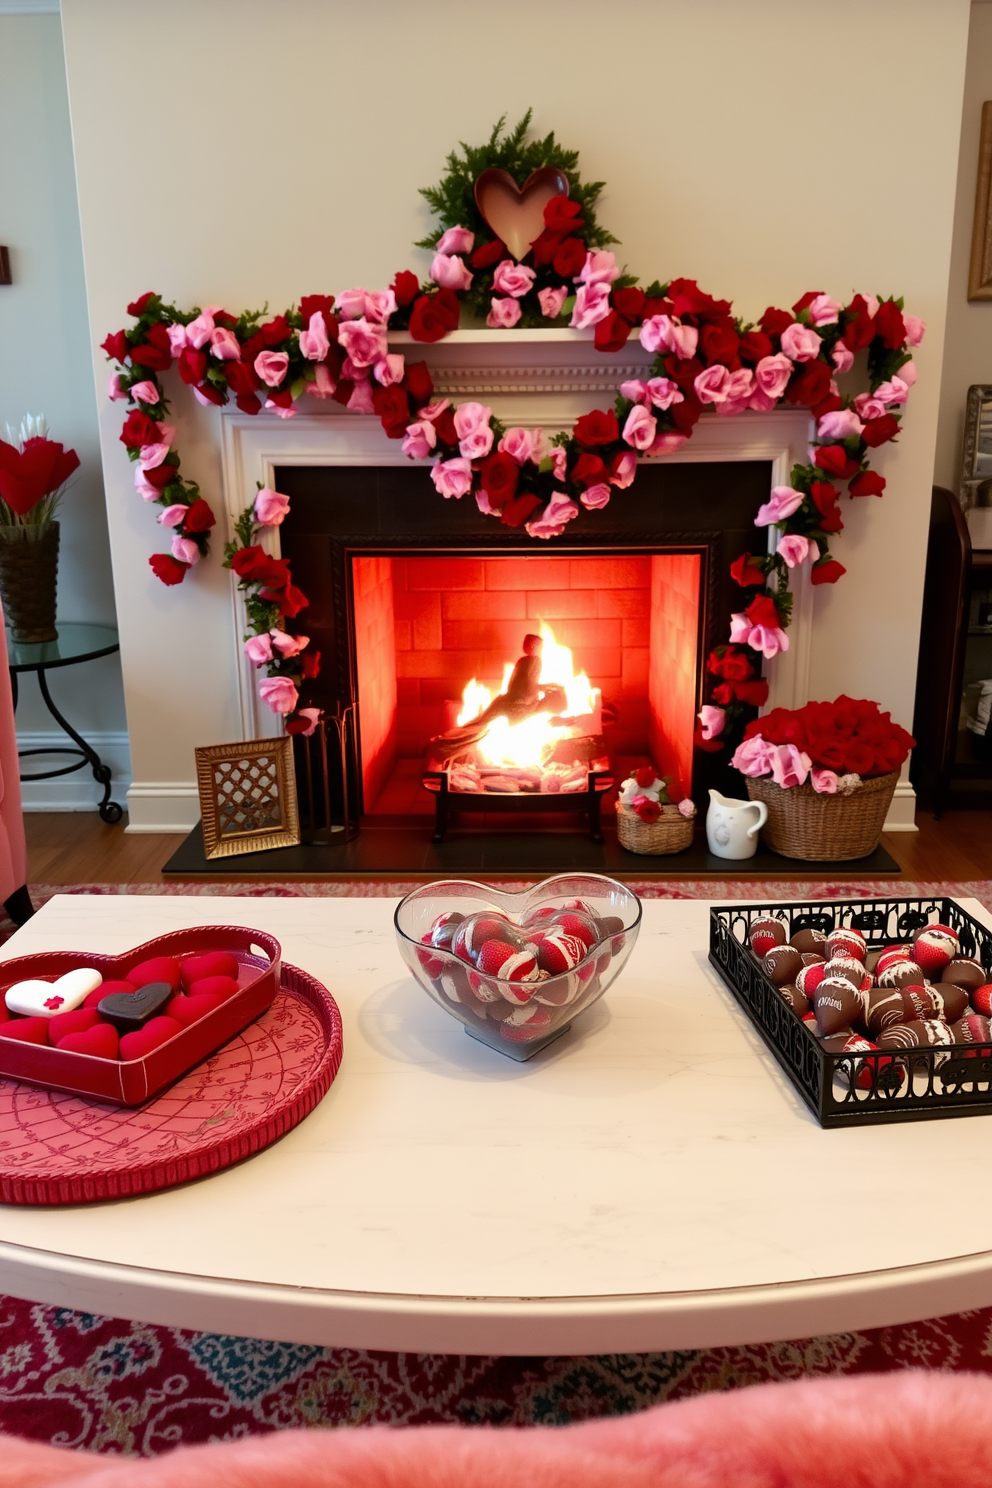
131,1082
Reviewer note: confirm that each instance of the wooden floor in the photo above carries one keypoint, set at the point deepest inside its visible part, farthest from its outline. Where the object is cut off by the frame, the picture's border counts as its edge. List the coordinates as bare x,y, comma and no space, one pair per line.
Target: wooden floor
77,847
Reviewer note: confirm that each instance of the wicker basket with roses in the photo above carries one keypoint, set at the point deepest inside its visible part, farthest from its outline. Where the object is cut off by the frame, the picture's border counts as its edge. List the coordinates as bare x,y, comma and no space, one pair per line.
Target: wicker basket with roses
827,773
648,819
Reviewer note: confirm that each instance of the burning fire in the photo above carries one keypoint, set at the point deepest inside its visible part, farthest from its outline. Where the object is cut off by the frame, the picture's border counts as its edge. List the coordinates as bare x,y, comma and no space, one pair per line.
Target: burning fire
532,742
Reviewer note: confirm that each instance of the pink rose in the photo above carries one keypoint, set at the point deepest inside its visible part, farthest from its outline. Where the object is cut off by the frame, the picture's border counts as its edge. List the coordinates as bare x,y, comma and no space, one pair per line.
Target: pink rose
656,334
323,385
503,314
892,393
687,807
314,341
592,304
685,339
667,443
351,304
869,407
456,240
789,765
872,305
272,367
518,443
795,549
712,721
636,390
475,437
712,384
199,331
152,455
271,507
842,357
418,441
772,374
389,369
224,344
513,279
559,463
312,715
178,339
800,343
551,301
450,271
452,477
753,757
664,392
595,497
783,501
842,423
279,693
760,402
824,781
380,304
624,471
768,639
278,409
173,516
362,341
145,392
185,549
823,310
114,390
288,645
600,267
434,410
915,330
485,505
551,522
908,373
144,487
640,428
361,397
258,649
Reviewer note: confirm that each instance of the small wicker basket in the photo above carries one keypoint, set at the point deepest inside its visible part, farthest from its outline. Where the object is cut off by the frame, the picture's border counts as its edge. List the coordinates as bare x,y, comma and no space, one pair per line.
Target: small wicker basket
671,833
820,828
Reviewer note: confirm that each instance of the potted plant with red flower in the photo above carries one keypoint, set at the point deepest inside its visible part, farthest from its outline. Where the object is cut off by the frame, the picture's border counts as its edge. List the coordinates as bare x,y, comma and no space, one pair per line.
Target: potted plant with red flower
648,819
33,474
827,773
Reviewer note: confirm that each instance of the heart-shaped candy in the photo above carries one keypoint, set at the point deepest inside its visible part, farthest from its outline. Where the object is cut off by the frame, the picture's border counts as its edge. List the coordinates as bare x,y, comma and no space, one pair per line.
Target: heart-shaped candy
37,999
516,213
28,1030
77,1021
156,1031
221,987
214,963
128,1011
104,990
100,1040
157,969
187,1010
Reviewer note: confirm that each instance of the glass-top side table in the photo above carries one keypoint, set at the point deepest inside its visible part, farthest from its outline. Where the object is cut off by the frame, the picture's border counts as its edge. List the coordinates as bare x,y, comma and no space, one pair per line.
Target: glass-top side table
76,643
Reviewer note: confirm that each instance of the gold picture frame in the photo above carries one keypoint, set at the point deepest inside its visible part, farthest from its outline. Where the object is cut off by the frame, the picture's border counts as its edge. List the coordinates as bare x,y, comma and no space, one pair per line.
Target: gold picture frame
247,796
980,272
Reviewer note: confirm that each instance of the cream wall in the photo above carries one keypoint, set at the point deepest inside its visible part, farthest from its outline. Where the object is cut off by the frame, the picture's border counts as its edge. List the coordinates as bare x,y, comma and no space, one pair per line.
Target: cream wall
968,343
46,365
764,148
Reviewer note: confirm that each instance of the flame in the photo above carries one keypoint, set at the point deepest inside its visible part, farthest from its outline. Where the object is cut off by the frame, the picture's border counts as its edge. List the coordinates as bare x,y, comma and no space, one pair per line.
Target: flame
531,742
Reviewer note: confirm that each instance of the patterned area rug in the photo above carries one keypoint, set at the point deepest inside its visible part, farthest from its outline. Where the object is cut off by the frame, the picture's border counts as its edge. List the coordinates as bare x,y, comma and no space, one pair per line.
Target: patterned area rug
105,1385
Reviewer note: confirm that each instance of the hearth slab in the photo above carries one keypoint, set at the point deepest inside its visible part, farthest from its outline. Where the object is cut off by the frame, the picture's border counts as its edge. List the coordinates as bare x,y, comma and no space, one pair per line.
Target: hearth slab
409,851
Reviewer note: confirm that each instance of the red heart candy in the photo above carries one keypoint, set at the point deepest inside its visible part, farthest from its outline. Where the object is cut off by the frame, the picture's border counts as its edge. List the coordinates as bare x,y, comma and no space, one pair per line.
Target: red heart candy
28,1030
100,1040
77,1021
221,987
158,969
104,990
155,1032
214,963
187,1010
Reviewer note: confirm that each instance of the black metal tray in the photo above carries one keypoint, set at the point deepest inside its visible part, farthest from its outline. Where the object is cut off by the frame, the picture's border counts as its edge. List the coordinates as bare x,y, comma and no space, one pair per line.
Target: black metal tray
916,1084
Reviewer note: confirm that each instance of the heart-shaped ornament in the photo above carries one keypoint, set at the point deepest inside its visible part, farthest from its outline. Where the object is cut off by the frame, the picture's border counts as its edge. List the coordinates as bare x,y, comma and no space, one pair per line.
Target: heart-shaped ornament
130,1010
516,213
37,999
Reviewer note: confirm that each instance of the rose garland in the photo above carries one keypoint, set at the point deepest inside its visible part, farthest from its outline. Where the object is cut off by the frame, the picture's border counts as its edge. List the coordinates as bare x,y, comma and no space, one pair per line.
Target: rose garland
704,358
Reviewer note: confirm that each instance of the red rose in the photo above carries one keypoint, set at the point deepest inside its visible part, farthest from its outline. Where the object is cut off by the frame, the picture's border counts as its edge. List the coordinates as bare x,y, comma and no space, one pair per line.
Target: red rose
248,403
140,305
444,427
417,382
214,395
807,299
488,254
589,470
755,345
683,372
656,306
116,346
254,566
880,430
342,393
645,776
810,385
295,723
890,325
545,246
199,517
167,568
139,429
763,611
322,304
274,331
827,571
226,319
724,693
832,521
430,319
648,811
499,476
311,664
755,694
241,377
823,495
774,322
860,757
858,325
720,342
155,352
161,475
192,365
562,214
826,405
612,332
630,302
686,415
834,459
569,257
519,509
393,407
688,299
406,287
709,746
596,428
866,483
733,664
290,599
745,573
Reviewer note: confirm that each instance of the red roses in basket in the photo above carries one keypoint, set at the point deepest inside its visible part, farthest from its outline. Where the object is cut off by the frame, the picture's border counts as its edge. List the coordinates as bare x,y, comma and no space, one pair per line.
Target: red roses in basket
824,742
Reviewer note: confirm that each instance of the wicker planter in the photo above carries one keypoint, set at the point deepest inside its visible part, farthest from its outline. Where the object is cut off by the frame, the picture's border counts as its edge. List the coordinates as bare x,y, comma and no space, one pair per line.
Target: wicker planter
671,833
29,561
824,829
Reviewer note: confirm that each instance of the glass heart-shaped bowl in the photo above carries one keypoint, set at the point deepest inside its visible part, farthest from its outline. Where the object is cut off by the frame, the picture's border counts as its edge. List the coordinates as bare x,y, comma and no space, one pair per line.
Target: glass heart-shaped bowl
518,1018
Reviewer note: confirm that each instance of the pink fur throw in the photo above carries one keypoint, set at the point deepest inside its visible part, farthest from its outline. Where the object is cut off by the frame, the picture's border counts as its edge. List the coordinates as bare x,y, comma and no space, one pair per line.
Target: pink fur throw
905,1430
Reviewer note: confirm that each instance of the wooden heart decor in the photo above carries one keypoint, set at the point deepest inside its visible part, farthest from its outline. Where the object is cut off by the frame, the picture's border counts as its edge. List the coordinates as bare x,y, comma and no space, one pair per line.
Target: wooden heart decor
516,213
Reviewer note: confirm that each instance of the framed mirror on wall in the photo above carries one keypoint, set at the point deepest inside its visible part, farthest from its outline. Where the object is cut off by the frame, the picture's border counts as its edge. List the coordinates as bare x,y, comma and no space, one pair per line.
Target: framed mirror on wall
980,272
976,475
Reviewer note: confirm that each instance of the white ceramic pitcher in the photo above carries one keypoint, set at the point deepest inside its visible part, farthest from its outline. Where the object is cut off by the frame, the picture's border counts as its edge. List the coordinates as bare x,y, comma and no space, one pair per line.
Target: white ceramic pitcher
731,828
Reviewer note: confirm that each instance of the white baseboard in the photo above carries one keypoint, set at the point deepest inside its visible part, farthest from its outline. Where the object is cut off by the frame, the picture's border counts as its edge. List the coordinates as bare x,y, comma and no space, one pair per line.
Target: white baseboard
902,812
78,791
163,806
